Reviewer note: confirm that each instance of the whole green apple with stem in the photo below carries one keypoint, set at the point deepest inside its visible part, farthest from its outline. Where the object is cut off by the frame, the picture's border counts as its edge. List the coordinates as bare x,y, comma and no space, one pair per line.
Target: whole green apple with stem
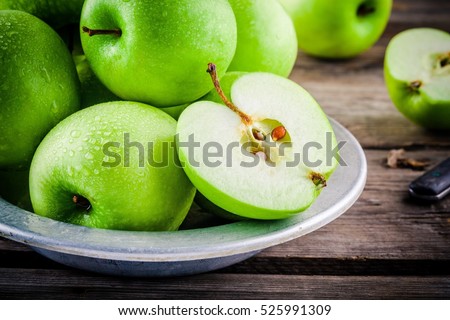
56,13
417,74
155,51
38,86
266,39
338,29
112,166
264,154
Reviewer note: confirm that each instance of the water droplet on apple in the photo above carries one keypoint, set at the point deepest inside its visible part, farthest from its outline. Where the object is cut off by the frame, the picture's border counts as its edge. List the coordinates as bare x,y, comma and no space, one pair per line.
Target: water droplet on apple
46,75
71,153
89,156
55,108
75,134
70,171
96,171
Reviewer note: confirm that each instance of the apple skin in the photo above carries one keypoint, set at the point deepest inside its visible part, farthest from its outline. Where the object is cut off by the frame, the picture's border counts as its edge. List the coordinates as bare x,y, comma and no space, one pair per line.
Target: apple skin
76,158
429,105
164,46
39,86
266,39
56,13
336,31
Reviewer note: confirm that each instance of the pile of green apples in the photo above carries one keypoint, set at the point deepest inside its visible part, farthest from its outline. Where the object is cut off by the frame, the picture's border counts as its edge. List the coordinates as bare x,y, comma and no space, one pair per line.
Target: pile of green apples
118,121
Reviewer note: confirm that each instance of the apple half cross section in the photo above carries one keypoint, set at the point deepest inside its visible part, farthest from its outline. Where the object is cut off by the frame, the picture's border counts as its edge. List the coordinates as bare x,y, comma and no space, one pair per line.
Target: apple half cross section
264,154
417,73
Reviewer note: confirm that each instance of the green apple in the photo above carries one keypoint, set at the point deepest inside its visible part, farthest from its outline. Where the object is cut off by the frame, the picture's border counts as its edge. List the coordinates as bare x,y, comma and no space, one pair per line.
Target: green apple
341,29
265,155
54,12
176,111
155,51
112,166
417,74
38,85
14,188
266,39
226,82
92,90
211,208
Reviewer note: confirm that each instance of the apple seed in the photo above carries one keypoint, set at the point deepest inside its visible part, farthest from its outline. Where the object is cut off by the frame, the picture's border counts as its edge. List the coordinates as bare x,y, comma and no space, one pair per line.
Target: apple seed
444,60
258,135
278,133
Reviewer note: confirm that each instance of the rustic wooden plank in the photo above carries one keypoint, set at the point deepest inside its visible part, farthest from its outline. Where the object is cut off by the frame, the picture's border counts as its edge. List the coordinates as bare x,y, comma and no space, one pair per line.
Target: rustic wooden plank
353,91
62,284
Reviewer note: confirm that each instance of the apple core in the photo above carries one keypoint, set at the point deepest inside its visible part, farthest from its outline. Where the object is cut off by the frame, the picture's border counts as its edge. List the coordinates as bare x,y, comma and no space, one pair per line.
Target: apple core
267,139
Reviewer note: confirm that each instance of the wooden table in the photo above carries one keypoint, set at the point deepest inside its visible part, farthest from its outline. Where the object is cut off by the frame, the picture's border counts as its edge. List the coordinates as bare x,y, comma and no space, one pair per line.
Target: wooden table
386,246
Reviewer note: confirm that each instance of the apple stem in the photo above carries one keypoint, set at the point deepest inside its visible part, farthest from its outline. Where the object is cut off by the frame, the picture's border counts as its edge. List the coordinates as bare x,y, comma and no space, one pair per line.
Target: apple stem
81,202
246,119
94,32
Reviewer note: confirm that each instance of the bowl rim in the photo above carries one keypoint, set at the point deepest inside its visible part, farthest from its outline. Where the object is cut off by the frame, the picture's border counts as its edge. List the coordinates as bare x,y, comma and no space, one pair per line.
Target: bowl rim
183,245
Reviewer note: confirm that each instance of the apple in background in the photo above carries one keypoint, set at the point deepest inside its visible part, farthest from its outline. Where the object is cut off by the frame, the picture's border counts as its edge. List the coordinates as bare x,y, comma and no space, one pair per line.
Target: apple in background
266,39
112,166
338,29
156,51
417,74
248,157
56,13
38,86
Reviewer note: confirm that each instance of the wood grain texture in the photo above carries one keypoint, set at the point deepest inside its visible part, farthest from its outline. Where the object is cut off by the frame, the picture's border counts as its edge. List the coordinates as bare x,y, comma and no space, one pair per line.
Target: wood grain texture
61,284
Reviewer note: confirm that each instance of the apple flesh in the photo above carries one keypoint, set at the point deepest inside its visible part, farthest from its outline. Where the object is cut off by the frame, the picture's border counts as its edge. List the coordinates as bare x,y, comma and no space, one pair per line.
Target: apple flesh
112,166
230,164
266,39
417,74
38,86
155,51
343,29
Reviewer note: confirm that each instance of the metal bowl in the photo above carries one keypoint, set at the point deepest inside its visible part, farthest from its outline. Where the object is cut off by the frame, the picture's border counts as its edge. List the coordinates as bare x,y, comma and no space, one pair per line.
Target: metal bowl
192,250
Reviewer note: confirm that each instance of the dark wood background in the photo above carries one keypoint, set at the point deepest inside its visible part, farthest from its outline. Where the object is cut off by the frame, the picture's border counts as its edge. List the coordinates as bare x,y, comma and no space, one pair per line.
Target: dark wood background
386,246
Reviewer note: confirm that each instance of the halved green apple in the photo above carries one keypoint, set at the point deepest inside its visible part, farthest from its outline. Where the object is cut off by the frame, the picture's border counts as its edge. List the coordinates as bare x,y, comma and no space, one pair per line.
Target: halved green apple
417,73
266,154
